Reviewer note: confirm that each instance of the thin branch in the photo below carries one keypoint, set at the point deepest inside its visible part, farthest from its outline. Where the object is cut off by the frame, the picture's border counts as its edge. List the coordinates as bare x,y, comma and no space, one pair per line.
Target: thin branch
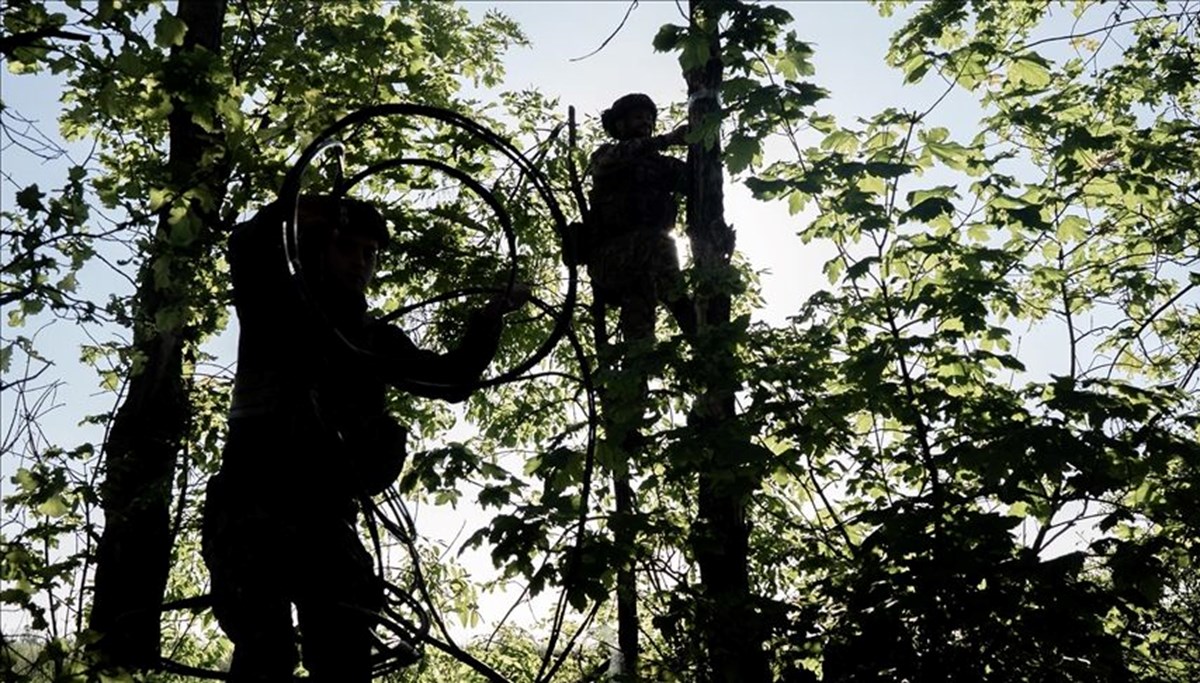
1150,320
5,386
1103,29
632,6
682,12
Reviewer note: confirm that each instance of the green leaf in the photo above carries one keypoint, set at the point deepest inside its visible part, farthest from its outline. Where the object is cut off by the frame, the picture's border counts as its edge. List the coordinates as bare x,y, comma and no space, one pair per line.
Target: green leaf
30,199
668,37
937,134
1072,228
767,188
185,226
873,185
887,169
1004,201
797,200
860,268
493,496
929,208
1029,216
131,63
169,30
32,306
941,191
796,62
833,269
952,154
68,283
25,479
915,67
979,232
695,51
158,197
841,141
823,123
929,204
741,152
54,506
1029,71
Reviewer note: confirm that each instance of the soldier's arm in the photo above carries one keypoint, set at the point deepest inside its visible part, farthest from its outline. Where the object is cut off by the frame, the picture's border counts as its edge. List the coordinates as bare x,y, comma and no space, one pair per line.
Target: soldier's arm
625,151
449,376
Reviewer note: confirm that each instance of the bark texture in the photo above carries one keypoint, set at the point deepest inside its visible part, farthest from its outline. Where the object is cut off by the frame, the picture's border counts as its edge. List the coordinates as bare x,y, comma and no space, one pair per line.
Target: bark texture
720,537
133,557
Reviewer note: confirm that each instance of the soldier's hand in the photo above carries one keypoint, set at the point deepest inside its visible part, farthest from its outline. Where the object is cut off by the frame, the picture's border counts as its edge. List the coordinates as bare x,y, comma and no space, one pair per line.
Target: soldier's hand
677,137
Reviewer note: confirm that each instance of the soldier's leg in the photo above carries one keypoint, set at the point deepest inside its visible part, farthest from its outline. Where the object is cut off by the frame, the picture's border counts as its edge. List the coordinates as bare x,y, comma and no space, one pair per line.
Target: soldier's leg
638,315
683,309
340,598
264,650
670,287
250,600
638,309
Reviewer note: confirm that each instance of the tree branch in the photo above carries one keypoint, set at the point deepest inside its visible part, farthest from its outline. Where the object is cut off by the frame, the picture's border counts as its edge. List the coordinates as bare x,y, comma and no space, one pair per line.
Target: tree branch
632,6
11,43
1110,27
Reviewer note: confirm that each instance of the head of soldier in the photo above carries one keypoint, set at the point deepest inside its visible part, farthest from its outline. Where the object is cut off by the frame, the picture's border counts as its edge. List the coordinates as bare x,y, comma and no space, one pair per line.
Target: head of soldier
630,117
347,235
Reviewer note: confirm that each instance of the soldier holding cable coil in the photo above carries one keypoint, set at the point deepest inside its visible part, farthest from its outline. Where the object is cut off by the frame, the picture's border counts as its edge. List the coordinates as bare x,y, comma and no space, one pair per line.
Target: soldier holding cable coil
309,434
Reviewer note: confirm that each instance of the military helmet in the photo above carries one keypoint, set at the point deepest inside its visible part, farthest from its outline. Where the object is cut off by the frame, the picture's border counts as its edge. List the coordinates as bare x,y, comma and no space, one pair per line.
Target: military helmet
346,214
622,107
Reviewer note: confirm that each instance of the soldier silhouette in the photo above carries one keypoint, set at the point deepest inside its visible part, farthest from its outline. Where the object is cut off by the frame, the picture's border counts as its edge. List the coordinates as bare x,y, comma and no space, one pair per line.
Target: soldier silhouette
309,435
632,260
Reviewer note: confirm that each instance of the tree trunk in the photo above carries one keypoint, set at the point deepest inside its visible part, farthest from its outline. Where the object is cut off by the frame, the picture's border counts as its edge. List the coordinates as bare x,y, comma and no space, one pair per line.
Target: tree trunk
627,612
624,533
720,537
133,557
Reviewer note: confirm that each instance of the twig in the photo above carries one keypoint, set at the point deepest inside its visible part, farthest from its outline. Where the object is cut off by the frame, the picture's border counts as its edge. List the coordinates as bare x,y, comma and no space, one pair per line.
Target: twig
1102,29
632,6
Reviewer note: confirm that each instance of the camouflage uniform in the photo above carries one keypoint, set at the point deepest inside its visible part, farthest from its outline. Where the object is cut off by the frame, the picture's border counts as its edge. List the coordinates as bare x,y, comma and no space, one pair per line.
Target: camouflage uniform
633,262
309,435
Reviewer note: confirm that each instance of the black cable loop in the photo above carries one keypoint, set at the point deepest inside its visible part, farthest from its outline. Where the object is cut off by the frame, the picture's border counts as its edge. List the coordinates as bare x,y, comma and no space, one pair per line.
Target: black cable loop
399,596
291,235
290,196
407,535
486,195
389,617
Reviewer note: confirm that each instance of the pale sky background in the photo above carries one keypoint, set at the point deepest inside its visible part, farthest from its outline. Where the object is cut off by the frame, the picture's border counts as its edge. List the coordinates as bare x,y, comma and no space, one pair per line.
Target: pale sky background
849,39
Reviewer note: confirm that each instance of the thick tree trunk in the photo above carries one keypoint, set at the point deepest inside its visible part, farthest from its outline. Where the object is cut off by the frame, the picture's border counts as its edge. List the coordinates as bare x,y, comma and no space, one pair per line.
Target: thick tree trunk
134,553
720,538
